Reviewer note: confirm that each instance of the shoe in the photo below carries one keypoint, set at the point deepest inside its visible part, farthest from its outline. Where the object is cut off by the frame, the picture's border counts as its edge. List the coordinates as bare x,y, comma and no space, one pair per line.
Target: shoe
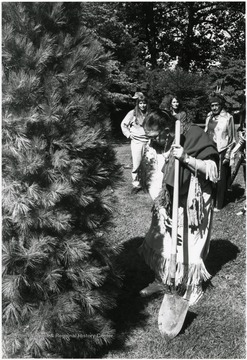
152,288
216,210
193,295
135,190
242,212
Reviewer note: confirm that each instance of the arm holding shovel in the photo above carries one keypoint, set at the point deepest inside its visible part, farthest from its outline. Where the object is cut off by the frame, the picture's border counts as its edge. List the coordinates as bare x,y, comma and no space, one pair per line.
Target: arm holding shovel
174,251
174,306
194,164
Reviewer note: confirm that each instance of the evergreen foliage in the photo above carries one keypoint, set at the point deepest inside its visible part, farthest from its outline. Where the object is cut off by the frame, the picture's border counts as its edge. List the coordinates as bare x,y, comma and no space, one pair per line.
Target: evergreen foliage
58,171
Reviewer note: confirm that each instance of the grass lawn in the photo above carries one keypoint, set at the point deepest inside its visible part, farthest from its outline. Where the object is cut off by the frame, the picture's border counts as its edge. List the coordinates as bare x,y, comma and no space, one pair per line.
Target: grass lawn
215,327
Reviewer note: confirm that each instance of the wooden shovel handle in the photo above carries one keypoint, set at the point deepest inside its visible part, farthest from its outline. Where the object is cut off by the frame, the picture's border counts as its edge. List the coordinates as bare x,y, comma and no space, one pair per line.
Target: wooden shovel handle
175,207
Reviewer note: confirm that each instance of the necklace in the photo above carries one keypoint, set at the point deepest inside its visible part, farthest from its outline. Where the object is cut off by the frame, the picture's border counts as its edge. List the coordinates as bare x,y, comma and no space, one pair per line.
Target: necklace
166,142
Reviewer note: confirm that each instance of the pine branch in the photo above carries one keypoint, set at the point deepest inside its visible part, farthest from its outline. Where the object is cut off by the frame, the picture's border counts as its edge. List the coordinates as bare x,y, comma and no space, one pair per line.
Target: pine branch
58,165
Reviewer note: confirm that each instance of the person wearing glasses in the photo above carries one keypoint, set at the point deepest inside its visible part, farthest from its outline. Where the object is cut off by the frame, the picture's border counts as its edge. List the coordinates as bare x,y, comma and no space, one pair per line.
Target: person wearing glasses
198,159
156,153
219,126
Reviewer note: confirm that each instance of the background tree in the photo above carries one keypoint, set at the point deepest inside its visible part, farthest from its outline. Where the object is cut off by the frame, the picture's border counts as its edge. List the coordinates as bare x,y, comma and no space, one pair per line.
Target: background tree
103,20
194,37
189,87
58,171
229,78
146,37
195,32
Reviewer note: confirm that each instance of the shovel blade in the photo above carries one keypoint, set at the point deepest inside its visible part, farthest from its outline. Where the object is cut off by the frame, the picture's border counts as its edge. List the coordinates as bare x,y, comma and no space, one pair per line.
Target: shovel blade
172,314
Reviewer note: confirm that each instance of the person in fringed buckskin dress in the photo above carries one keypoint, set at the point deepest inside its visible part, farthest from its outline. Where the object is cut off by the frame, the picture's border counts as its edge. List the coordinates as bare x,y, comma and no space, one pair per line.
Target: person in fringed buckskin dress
198,159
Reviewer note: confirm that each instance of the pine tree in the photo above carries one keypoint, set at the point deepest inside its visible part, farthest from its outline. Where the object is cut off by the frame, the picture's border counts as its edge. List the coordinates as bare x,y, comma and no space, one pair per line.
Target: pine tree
58,169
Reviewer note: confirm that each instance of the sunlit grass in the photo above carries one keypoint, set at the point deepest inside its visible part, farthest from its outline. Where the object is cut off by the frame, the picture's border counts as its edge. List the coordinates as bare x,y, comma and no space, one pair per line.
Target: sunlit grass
215,327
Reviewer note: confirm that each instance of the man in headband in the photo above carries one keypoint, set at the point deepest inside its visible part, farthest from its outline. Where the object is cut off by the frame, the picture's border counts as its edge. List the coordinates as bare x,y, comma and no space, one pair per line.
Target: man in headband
220,128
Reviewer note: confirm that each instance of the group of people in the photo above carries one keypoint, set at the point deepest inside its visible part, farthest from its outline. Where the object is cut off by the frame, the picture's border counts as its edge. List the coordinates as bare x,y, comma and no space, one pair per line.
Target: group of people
204,169
219,125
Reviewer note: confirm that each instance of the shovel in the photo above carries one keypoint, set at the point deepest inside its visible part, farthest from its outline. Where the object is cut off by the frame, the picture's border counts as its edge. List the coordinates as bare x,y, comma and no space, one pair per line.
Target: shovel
174,308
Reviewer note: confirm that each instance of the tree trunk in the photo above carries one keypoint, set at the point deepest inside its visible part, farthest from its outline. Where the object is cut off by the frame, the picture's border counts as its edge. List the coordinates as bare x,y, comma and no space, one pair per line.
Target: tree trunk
187,47
151,33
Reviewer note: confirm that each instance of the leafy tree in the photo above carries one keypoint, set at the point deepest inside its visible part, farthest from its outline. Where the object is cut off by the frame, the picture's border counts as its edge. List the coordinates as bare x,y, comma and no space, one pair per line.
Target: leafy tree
191,89
195,32
229,78
104,22
58,171
210,30
142,22
196,35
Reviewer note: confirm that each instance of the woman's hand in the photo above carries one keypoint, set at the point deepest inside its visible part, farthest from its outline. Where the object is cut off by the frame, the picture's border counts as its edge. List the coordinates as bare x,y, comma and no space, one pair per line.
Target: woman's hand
164,217
166,154
178,152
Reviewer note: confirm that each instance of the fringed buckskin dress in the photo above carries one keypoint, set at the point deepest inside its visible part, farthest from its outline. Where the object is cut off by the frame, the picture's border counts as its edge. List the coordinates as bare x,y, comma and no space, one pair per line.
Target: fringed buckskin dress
194,219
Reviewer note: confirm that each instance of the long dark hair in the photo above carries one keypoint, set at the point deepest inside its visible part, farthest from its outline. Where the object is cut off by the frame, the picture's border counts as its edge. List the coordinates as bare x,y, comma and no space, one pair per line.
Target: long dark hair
166,103
137,112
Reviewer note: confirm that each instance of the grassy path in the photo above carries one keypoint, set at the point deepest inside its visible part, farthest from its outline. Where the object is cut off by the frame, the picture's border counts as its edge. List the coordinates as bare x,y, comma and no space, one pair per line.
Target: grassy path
215,327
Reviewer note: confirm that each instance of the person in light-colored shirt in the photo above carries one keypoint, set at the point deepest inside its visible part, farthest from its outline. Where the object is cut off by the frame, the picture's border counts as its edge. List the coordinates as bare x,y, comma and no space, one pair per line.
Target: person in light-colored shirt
132,128
220,128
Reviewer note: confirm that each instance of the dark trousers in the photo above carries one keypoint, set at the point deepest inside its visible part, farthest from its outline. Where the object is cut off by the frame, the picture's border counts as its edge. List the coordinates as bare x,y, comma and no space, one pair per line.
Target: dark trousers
221,188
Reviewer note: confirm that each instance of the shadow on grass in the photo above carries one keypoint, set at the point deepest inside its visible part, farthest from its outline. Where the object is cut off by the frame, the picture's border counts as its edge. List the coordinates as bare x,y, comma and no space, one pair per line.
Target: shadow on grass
221,252
236,193
190,317
130,310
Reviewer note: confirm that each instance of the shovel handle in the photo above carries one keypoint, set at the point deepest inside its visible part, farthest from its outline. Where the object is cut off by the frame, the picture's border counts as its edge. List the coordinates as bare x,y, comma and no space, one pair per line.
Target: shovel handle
175,207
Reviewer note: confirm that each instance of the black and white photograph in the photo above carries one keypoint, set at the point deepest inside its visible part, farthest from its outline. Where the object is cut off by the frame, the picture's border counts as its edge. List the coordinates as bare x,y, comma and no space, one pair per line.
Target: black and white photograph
123,179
